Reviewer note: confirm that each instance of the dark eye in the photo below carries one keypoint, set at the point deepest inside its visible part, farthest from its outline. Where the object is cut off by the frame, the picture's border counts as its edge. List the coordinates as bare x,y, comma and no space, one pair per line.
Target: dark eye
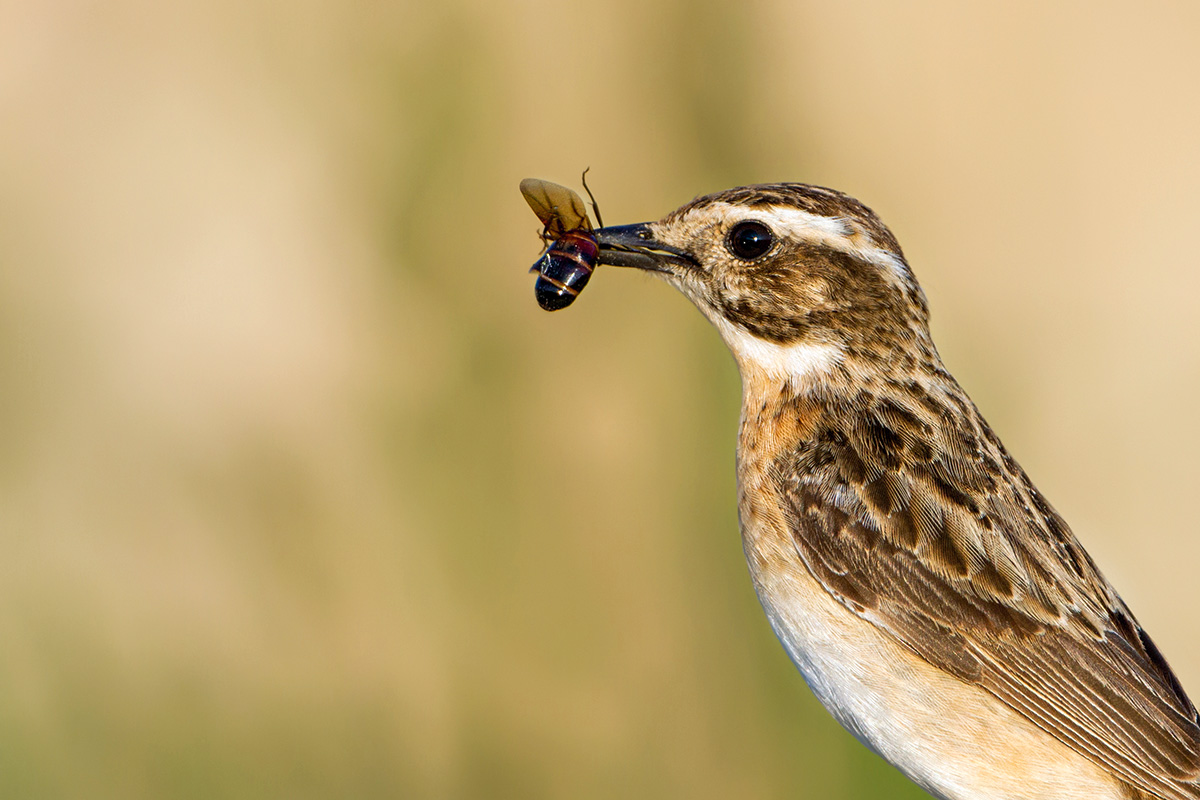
750,240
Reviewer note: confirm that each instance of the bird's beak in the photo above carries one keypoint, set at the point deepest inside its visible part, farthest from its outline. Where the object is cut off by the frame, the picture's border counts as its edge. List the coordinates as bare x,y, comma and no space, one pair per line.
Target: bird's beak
635,246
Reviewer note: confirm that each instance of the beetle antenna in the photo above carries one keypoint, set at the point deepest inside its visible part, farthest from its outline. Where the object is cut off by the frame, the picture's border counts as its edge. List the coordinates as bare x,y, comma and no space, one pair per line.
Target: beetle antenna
592,197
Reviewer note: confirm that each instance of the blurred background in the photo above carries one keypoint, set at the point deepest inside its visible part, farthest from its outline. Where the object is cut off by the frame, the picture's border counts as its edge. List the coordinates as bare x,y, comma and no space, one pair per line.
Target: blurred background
302,495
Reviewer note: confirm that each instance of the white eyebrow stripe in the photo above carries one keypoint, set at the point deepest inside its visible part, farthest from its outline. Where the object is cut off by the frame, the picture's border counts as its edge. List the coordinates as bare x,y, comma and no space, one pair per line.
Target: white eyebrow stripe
836,233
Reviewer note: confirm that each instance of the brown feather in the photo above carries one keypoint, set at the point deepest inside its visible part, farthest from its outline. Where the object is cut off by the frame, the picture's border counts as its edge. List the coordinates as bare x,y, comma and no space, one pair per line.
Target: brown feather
949,548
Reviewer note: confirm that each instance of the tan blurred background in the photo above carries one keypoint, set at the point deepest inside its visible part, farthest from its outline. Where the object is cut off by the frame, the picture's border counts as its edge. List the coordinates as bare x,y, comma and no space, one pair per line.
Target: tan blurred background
302,495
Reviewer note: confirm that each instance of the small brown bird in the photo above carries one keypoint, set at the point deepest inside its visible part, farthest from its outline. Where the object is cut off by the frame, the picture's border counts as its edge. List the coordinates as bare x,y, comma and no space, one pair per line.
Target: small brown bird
932,598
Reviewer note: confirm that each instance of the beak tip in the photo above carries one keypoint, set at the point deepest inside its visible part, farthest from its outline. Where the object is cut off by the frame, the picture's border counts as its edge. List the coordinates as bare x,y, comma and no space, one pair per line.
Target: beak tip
636,246
628,246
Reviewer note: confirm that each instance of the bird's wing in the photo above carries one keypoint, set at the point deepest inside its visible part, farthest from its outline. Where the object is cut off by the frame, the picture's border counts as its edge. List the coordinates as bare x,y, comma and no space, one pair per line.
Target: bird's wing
925,526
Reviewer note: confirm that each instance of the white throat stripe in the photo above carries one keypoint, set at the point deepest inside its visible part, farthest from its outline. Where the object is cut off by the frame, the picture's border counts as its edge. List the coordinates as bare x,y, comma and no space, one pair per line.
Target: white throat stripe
794,363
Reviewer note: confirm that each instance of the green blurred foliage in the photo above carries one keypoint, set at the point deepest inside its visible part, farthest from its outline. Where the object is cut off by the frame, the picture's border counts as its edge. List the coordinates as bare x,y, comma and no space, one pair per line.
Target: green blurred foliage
303,496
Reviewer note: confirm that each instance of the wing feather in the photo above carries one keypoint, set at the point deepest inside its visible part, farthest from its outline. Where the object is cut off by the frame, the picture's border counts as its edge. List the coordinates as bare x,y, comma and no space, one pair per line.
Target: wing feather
924,525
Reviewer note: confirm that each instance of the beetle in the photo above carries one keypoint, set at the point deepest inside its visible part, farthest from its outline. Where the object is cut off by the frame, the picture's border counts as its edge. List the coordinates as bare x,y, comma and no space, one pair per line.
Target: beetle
567,264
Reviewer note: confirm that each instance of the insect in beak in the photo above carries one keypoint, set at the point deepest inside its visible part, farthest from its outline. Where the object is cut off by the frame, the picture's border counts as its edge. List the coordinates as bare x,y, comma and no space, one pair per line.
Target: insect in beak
565,267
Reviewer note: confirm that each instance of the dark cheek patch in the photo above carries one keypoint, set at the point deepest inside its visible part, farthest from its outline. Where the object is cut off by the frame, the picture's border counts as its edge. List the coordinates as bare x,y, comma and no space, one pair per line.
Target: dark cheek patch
808,290
779,304
765,323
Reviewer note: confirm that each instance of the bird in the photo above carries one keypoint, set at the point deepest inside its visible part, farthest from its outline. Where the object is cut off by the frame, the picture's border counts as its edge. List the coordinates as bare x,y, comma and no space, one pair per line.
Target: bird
931,597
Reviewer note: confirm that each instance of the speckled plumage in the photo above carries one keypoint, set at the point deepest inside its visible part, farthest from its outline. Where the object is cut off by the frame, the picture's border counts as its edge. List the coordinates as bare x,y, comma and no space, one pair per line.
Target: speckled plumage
932,597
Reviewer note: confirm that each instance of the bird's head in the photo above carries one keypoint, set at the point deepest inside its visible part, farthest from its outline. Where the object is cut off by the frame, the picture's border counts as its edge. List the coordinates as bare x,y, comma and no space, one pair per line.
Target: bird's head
798,279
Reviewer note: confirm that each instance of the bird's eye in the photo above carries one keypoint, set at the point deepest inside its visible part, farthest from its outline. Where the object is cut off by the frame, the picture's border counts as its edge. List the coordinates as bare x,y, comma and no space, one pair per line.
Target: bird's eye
750,240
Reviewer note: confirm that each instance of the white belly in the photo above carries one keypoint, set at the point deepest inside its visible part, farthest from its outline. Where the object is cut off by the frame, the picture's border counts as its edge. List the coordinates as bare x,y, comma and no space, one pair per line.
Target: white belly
953,739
